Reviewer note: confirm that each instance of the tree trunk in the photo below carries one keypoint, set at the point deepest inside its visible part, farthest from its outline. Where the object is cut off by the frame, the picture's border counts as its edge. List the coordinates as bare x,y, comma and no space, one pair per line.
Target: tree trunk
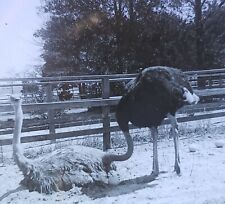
118,32
199,34
131,10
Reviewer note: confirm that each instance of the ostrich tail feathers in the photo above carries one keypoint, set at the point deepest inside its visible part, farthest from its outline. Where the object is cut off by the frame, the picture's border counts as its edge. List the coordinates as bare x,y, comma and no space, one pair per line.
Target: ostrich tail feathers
46,186
35,180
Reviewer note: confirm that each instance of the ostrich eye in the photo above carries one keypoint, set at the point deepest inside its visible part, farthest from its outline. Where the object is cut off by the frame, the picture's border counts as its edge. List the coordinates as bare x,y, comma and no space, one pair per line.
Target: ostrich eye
15,100
178,92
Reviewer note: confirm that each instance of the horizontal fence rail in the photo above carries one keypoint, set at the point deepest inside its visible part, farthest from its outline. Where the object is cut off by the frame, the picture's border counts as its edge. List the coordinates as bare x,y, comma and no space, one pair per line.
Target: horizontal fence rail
98,102
208,84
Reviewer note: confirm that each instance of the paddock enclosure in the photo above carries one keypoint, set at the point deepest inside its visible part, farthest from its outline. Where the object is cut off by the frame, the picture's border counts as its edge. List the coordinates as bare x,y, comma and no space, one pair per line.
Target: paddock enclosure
85,104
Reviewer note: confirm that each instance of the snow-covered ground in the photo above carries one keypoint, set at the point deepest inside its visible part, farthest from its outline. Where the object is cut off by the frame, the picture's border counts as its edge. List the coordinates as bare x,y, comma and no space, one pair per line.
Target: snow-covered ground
202,179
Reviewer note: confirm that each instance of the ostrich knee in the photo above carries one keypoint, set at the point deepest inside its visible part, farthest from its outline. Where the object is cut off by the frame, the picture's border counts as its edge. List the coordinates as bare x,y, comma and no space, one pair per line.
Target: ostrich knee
173,122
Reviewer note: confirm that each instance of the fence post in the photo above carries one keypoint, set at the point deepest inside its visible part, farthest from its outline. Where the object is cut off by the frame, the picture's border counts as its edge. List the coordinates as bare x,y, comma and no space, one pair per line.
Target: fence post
49,98
2,156
105,114
220,82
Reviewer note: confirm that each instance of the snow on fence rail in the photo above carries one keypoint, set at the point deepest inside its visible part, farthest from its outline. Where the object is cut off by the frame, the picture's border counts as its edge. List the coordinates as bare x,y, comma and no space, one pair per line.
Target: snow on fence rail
208,84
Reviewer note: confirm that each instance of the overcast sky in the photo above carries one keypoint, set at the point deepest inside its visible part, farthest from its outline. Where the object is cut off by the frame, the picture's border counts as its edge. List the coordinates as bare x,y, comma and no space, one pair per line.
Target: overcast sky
19,50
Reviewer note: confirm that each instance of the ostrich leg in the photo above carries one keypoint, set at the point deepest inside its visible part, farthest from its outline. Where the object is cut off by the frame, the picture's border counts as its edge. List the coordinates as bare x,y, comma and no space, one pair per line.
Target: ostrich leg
155,167
174,124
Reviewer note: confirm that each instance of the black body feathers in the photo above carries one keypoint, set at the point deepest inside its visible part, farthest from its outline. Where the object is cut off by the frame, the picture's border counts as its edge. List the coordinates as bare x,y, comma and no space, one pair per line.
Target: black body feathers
155,92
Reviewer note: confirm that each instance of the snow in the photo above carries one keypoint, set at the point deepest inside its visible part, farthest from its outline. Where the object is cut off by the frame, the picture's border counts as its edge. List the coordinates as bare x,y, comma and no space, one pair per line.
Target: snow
202,179
193,148
219,143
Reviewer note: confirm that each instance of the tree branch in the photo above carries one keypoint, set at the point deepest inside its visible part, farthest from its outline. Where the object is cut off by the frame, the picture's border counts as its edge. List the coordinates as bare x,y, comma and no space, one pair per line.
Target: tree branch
203,3
221,3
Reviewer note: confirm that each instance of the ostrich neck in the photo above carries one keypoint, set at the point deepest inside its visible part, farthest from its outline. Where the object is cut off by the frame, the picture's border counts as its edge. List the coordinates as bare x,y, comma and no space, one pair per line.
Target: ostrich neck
17,129
22,162
130,147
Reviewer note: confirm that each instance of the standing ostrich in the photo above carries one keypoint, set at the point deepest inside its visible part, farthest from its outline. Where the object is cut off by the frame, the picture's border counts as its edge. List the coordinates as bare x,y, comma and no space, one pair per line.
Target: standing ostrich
157,92
59,170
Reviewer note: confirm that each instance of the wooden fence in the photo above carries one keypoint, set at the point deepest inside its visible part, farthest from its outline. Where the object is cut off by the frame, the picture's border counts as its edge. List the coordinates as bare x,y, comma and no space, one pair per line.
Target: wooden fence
208,84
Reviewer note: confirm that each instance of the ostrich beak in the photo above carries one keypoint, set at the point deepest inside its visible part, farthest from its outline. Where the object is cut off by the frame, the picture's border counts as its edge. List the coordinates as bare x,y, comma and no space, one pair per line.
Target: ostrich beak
190,98
196,98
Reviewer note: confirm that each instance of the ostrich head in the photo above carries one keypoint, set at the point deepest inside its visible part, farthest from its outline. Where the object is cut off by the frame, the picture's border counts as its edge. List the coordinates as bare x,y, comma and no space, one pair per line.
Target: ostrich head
190,98
170,81
182,95
16,102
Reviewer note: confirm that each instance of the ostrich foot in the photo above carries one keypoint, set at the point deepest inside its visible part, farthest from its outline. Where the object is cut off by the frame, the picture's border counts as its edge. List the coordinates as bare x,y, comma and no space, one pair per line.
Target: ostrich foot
177,169
154,174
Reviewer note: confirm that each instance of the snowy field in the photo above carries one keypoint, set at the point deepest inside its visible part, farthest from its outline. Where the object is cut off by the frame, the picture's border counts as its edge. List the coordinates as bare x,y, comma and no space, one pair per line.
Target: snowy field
202,180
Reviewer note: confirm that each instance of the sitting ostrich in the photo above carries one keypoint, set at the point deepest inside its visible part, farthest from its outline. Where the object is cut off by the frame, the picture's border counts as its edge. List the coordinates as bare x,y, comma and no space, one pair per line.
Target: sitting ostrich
59,170
157,92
